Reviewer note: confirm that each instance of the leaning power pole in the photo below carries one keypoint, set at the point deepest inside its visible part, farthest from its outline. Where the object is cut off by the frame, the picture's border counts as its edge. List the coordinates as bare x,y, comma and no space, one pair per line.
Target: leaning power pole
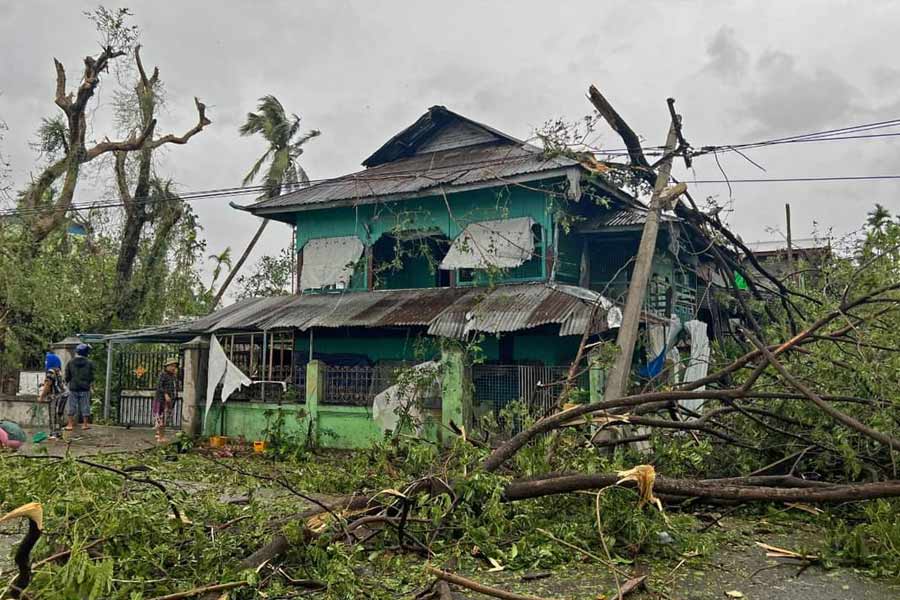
617,380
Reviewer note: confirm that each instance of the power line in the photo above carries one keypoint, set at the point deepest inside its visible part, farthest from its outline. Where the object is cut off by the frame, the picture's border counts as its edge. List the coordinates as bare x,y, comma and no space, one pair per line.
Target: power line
364,177
801,179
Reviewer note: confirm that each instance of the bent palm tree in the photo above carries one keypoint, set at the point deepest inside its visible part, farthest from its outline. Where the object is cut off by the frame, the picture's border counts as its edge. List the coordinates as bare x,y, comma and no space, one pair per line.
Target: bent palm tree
282,132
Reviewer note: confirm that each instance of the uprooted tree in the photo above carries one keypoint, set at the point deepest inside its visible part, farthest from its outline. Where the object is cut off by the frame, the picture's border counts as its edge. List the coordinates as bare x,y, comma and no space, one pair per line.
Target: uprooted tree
796,396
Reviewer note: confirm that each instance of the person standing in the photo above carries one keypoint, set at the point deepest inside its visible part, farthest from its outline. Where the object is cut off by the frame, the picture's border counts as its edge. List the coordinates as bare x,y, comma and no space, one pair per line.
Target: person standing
54,393
80,378
166,390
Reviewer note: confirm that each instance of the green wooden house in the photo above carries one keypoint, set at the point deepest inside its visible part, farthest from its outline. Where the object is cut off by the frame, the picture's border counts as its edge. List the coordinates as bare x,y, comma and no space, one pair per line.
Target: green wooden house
454,235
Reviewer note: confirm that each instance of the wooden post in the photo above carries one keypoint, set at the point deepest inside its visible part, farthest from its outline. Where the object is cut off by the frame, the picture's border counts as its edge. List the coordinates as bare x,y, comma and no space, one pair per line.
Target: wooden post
790,249
370,267
619,374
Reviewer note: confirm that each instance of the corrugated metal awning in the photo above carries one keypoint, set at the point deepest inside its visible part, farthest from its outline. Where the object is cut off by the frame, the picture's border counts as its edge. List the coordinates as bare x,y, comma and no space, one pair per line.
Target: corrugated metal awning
446,312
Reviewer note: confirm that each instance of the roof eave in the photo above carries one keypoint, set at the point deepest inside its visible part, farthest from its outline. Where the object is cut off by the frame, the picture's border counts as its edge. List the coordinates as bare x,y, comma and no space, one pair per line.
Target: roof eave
271,212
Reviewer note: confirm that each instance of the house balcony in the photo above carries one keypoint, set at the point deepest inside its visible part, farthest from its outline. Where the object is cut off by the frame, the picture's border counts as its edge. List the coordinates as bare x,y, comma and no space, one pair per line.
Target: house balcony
663,297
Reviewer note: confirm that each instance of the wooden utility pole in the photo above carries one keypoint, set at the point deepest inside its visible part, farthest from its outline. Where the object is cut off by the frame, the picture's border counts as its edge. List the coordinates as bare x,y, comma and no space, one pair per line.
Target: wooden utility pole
790,249
617,382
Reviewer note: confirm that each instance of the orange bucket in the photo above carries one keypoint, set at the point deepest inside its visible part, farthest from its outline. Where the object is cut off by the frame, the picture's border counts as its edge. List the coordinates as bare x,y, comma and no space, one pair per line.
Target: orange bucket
259,447
217,441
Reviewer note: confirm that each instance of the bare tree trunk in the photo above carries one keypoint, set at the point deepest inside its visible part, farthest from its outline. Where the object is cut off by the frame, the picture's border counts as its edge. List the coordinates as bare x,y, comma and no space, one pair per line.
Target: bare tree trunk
74,105
240,262
139,210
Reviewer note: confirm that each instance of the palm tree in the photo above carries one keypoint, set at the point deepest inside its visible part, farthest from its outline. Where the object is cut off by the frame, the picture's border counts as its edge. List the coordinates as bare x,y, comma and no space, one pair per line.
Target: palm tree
878,216
282,132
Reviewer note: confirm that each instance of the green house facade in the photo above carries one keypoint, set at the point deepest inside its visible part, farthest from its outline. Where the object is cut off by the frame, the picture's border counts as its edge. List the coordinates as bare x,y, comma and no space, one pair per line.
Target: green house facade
457,244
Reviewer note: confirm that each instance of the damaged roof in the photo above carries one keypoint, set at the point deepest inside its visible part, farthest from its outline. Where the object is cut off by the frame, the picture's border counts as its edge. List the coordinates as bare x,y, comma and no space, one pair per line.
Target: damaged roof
441,151
447,312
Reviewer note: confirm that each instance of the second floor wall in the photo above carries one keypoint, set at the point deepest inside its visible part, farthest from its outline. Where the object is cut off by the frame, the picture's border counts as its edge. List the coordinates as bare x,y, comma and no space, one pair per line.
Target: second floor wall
404,242
401,245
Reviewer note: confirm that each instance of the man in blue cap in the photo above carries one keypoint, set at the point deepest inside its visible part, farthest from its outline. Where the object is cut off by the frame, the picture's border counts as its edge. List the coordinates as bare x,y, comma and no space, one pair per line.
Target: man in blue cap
54,392
79,378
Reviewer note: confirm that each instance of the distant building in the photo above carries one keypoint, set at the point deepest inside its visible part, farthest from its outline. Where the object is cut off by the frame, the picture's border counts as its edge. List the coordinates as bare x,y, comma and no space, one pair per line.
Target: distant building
807,256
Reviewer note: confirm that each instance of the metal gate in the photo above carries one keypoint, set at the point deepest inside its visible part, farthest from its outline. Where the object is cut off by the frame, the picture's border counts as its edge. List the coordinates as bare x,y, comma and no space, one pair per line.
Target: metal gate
537,387
137,373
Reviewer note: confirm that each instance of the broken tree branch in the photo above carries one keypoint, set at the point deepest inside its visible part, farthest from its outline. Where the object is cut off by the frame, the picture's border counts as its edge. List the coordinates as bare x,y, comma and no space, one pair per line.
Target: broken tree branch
478,587
832,412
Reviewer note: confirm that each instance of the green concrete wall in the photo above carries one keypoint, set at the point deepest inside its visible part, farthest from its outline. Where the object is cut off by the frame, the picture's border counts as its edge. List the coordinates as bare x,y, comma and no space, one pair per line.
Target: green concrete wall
332,426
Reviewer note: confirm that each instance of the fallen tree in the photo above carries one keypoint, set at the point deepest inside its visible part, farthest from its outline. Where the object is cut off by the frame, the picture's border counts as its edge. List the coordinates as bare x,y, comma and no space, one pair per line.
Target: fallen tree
755,390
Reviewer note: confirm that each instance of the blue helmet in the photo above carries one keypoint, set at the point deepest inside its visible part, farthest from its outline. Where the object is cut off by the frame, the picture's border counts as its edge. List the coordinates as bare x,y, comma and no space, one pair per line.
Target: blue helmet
82,349
52,361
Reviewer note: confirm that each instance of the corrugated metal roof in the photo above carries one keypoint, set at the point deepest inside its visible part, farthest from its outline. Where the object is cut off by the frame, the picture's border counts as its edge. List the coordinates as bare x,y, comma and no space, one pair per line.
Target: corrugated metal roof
447,312
774,246
422,135
419,173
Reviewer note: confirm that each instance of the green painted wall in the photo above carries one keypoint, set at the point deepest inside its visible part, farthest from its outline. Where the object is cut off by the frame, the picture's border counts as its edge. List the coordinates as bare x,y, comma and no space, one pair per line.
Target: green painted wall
377,348
550,350
371,222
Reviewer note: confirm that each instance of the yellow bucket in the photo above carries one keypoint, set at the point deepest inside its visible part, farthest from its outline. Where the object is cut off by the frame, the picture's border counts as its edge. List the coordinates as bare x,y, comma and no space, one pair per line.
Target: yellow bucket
217,441
259,447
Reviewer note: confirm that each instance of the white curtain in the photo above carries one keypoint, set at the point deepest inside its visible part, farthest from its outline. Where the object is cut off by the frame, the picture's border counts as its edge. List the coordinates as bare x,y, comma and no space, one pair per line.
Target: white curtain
329,261
504,243
221,370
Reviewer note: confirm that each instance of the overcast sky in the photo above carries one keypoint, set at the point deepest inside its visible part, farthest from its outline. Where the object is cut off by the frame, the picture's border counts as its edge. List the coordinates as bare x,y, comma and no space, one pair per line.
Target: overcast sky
361,71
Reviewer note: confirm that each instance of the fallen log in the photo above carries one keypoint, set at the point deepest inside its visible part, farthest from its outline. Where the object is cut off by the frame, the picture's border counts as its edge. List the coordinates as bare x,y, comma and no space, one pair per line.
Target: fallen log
631,585
702,489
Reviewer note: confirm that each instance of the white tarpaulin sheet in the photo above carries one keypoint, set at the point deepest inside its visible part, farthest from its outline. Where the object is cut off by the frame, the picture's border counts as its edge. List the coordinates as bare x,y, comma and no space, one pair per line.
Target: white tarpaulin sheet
403,397
221,370
698,366
329,262
505,244
662,337
613,317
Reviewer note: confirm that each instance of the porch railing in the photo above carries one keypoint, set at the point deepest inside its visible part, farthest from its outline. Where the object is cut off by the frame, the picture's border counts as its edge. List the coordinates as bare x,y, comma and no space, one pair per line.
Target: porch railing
684,296
355,386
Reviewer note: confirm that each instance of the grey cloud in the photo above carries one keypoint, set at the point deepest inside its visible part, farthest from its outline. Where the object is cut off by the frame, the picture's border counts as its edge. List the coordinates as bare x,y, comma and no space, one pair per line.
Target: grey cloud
784,98
727,57
361,72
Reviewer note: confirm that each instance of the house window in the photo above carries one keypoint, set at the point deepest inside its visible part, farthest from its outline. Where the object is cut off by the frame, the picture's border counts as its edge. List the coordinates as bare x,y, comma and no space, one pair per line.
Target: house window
410,261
